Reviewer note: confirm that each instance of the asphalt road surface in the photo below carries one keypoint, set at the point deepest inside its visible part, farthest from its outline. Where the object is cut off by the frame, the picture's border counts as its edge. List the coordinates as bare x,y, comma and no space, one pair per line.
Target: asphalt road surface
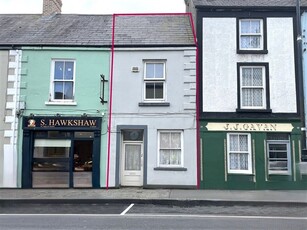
34,216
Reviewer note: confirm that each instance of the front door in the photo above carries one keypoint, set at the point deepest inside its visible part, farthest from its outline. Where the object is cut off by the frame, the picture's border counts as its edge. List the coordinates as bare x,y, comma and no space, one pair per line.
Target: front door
132,164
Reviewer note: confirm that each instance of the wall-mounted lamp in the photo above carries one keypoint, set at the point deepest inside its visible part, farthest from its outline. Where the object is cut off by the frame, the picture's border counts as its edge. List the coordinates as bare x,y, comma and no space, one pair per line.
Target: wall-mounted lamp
102,87
84,115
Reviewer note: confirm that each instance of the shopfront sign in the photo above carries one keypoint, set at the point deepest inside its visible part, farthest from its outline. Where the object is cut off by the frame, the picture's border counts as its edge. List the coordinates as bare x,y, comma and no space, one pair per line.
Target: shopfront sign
251,127
60,122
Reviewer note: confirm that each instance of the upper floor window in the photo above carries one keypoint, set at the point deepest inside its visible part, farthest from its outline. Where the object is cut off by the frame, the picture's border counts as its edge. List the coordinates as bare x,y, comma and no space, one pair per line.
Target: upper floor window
63,79
254,86
251,36
154,81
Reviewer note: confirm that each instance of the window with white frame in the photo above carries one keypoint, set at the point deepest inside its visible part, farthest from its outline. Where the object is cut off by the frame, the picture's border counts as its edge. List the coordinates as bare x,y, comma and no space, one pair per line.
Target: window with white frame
154,81
253,87
170,148
278,153
239,154
251,34
63,78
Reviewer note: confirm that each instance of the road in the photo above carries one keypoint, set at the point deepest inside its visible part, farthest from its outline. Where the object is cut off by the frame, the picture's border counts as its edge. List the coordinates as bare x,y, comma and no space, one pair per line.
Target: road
34,216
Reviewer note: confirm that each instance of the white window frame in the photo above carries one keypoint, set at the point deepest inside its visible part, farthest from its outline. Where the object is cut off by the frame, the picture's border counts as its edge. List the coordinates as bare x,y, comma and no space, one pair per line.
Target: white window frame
279,172
249,152
260,34
52,81
155,80
182,147
263,87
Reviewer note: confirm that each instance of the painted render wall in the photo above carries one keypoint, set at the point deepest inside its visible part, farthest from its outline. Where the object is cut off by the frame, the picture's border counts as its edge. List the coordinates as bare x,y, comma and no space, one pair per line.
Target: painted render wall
4,59
10,85
180,115
90,63
220,64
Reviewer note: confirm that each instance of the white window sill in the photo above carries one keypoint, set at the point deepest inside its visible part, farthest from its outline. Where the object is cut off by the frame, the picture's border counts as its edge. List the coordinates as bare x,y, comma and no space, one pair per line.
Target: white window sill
241,172
71,103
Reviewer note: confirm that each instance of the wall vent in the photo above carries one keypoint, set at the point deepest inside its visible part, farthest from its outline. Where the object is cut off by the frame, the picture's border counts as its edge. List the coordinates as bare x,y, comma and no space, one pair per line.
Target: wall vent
135,69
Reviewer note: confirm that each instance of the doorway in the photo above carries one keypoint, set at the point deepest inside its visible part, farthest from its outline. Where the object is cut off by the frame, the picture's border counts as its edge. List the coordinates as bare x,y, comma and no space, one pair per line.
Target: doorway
132,157
82,163
132,164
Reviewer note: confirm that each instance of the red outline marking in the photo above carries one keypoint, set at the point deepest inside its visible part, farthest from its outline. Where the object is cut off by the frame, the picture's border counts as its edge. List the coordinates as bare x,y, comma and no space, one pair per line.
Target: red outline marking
111,88
111,100
197,108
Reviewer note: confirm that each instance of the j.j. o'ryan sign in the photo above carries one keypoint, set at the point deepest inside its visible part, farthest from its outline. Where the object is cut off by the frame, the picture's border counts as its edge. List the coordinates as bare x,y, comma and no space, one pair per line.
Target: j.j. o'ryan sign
255,127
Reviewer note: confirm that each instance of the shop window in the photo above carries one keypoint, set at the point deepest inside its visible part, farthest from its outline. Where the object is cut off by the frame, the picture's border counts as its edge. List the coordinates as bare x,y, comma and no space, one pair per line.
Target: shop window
84,134
50,166
278,154
239,154
170,148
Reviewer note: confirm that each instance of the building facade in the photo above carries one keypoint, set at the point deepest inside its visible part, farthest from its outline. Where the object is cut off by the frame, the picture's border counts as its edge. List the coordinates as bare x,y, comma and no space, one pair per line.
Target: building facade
250,123
153,126
64,124
57,99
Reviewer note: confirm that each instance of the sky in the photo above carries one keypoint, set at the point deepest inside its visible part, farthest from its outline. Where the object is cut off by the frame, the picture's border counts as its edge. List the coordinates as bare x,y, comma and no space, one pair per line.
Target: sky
95,6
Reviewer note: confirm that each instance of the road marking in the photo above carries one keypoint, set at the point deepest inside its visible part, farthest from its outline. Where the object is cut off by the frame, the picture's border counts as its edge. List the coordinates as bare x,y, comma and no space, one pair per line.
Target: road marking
127,209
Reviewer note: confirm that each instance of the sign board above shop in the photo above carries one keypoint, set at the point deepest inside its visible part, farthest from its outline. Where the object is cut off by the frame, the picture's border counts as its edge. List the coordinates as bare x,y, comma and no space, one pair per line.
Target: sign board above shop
44,123
251,127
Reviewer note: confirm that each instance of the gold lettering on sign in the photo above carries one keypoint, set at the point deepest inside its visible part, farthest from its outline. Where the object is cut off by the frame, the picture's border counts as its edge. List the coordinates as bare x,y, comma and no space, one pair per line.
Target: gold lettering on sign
92,122
43,123
255,127
69,123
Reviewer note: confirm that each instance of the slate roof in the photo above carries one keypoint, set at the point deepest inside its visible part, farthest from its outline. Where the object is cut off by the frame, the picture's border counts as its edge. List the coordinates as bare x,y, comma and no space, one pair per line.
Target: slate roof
95,30
247,3
170,29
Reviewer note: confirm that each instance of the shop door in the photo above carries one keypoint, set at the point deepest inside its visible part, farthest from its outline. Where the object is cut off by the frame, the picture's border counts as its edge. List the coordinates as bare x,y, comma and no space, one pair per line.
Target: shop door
82,163
132,164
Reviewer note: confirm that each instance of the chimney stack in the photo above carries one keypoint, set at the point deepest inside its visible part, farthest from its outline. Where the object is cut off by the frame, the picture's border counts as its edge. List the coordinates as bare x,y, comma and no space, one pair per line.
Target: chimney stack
52,7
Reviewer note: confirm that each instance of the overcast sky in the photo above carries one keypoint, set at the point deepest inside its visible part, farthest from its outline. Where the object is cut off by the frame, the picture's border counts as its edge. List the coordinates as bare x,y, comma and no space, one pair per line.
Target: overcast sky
95,6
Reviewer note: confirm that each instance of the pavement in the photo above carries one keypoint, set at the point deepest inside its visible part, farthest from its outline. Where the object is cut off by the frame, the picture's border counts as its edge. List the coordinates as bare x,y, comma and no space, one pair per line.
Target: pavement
154,195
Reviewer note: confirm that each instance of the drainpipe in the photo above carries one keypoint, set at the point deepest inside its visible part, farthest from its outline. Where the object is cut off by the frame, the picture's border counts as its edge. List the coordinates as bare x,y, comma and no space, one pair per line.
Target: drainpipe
300,73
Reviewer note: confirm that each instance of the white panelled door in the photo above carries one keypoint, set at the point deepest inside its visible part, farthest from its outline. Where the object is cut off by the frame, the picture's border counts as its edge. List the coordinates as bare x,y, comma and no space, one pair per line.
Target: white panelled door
132,164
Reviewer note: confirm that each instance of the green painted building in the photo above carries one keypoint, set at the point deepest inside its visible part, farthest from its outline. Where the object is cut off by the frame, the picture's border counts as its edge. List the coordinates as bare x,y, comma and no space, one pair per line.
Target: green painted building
251,113
61,88
64,123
